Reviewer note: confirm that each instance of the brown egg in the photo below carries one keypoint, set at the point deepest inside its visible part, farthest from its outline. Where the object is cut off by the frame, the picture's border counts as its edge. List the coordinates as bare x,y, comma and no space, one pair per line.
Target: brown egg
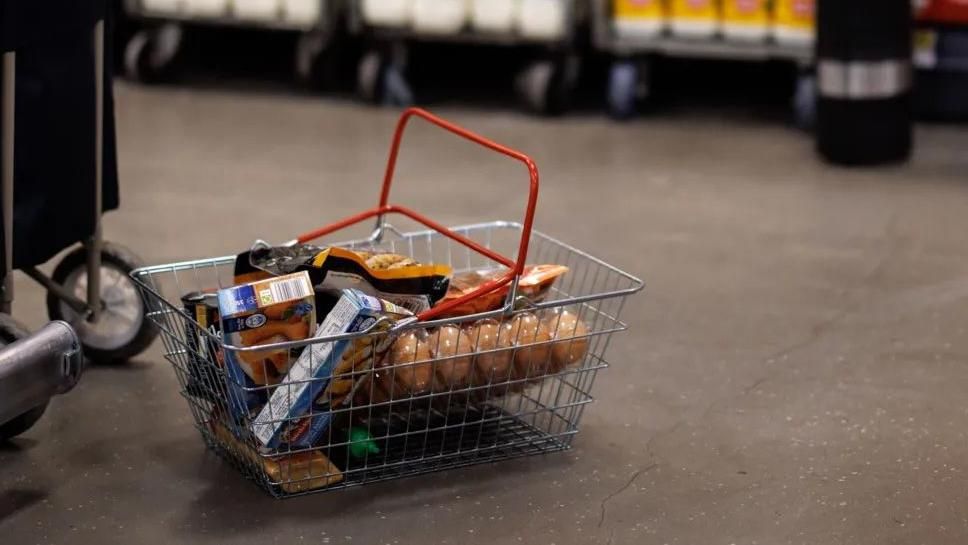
411,363
530,358
492,367
564,327
453,372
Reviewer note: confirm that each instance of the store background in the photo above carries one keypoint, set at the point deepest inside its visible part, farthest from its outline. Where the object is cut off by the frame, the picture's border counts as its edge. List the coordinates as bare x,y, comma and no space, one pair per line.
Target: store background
794,371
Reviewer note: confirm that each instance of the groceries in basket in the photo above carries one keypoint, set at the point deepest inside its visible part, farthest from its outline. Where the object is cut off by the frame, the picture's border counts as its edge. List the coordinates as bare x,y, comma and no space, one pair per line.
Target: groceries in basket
487,359
391,277
201,348
294,473
258,313
535,282
325,374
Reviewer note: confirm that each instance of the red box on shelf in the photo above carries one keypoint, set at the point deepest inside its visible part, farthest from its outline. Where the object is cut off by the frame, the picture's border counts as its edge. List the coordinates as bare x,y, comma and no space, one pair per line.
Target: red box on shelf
943,11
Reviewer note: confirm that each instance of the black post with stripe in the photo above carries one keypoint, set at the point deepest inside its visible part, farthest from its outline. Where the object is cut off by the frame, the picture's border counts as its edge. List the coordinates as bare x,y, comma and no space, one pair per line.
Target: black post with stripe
864,79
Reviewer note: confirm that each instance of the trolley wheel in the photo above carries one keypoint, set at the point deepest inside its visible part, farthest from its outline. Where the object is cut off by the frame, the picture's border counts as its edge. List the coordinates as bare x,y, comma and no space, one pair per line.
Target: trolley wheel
122,330
10,331
622,82
805,102
150,53
380,81
316,63
546,86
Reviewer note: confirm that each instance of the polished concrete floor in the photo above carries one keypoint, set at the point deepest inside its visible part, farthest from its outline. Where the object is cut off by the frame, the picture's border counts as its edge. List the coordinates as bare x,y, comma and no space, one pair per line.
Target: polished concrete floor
795,371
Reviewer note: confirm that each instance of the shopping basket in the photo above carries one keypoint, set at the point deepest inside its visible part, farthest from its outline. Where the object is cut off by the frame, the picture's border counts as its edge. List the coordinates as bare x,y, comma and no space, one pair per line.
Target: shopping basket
374,436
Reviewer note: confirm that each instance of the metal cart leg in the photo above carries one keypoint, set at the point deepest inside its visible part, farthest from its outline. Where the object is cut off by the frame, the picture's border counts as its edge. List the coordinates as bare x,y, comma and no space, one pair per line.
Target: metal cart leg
94,243
7,136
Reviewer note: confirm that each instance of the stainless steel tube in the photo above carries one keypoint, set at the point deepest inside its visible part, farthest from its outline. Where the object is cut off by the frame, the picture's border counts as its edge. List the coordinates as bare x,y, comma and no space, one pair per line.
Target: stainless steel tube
34,369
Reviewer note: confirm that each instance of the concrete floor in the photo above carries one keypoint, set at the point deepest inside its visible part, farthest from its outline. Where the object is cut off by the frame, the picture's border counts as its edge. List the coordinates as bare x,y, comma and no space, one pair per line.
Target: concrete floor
794,373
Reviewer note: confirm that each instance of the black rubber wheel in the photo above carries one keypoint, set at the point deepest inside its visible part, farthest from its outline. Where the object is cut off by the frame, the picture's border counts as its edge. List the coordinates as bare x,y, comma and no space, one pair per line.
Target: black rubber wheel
380,80
370,74
622,82
546,86
150,53
805,102
316,62
10,331
123,331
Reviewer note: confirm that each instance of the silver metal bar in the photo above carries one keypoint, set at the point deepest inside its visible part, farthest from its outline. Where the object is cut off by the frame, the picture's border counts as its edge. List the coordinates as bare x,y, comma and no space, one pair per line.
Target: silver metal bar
63,294
34,369
9,111
95,242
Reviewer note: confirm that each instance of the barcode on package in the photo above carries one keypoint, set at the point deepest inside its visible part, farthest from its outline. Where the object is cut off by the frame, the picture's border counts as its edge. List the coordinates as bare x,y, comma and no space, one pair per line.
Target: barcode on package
285,290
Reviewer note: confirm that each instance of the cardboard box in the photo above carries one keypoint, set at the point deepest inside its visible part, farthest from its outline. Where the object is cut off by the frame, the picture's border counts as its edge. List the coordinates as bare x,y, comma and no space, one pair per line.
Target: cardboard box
300,409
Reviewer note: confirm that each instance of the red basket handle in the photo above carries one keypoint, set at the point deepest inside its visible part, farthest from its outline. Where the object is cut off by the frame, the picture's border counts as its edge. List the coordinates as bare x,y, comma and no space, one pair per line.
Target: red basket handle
517,267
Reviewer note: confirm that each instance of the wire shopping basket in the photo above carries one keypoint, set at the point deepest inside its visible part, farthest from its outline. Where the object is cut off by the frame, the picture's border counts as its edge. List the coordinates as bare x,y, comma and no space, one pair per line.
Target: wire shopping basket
485,387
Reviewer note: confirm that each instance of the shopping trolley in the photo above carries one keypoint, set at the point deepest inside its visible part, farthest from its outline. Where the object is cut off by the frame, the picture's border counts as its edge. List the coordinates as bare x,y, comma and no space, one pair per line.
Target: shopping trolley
518,408
94,307
549,30
634,42
152,51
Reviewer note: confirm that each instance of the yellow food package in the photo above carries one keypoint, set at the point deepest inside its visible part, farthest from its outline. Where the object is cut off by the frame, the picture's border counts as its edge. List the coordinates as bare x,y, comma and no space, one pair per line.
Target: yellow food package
694,18
746,19
751,12
793,21
639,17
700,10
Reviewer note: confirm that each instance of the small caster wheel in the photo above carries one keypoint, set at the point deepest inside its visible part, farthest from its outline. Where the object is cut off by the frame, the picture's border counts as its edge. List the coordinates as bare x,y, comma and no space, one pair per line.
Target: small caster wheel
380,81
622,81
546,86
316,63
122,330
11,330
805,102
150,53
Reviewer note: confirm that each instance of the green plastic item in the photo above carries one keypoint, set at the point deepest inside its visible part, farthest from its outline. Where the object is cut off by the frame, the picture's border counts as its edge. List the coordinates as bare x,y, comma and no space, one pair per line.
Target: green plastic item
361,443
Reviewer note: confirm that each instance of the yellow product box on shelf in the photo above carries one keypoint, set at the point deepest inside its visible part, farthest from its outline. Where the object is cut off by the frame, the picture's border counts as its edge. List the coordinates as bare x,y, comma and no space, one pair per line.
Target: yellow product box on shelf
639,17
698,10
793,20
746,19
694,18
748,12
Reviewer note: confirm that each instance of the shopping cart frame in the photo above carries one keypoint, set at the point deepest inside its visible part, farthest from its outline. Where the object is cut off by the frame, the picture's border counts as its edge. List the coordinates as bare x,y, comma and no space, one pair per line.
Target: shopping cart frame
545,84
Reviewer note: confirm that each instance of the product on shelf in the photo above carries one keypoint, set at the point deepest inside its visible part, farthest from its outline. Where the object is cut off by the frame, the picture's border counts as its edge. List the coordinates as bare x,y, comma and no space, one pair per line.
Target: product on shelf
639,18
162,6
535,282
391,277
207,8
264,312
303,12
543,19
439,16
387,13
746,20
255,10
794,22
325,374
694,18
494,15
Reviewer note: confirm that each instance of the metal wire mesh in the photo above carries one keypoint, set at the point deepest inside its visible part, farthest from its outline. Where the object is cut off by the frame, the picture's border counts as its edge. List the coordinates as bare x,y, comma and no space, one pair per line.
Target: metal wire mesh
463,391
